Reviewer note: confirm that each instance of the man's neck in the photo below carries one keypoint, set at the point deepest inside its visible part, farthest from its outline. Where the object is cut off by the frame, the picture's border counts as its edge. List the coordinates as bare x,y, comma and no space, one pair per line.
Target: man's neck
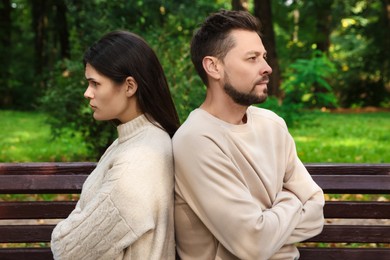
229,112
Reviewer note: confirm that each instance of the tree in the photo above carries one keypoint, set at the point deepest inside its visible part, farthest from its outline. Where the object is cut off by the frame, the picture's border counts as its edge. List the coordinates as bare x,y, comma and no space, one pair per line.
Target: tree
323,12
241,5
360,48
5,45
263,10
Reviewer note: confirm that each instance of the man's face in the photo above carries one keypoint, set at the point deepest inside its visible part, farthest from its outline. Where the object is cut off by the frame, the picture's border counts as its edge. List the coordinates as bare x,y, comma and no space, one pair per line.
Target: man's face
246,70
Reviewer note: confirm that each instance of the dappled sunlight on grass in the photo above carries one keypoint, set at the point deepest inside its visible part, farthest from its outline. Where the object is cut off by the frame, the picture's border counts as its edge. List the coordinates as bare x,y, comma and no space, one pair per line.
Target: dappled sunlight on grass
24,137
349,138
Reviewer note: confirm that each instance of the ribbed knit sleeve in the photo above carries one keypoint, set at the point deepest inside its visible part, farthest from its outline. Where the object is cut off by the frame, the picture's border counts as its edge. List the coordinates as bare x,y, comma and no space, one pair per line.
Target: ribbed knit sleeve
89,234
106,225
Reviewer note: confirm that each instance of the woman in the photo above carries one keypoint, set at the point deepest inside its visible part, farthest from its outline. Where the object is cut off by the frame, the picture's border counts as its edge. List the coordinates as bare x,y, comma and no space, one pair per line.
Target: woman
125,209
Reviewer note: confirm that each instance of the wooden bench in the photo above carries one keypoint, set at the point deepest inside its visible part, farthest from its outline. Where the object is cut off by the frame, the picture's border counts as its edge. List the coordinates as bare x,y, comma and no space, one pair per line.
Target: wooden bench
67,178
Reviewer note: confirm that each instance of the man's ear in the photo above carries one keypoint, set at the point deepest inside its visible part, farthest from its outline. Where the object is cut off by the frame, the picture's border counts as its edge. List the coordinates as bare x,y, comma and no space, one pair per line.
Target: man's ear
212,66
131,86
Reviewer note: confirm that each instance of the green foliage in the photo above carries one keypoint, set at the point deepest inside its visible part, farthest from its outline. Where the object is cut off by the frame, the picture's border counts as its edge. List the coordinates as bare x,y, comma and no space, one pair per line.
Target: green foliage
360,48
306,82
290,112
166,25
17,80
69,112
358,35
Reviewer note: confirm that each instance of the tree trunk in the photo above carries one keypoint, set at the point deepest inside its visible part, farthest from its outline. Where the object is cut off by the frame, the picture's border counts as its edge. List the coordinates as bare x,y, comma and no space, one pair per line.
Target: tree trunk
5,57
39,24
323,25
240,5
263,10
62,28
385,46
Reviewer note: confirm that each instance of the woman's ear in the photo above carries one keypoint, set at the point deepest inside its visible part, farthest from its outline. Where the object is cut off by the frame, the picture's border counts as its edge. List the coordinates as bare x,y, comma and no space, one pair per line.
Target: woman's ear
212,67
131,86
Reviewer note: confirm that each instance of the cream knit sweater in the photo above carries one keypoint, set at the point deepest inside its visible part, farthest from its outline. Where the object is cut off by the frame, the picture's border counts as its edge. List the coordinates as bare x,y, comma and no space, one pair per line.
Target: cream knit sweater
241,190
125,209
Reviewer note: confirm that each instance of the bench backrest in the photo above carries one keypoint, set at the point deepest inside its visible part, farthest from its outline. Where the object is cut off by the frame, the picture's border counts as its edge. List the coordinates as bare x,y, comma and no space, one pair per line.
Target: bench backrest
67,178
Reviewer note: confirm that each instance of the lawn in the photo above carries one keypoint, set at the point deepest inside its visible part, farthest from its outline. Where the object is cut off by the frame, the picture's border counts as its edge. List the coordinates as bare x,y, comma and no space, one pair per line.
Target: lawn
25,137
319,136
343,137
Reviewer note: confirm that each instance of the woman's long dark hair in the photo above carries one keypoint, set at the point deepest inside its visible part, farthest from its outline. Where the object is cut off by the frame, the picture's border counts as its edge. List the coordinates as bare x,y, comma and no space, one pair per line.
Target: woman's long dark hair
121,54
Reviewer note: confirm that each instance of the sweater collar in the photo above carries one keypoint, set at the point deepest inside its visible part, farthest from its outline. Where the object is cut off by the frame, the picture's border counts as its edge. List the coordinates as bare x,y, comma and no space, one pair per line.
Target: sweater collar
236,128
132,128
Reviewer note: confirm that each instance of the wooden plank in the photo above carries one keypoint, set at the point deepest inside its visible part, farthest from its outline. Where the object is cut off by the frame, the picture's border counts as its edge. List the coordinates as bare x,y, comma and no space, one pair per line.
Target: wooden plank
310,253
36,209
330,234
30,184
353,234
25,233
357,209
348,168
354,184
26,253
61,209
47,168
87,167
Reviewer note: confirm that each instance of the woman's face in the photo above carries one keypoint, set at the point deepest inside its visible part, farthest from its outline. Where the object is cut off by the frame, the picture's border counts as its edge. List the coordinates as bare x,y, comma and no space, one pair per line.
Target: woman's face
108,100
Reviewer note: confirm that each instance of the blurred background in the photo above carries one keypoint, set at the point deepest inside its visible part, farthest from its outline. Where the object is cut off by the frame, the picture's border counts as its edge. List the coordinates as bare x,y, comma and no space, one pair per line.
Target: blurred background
330,81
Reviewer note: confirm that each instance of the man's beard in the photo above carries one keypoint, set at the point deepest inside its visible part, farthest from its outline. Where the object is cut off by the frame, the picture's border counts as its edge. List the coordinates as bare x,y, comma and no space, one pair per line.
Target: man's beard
241,98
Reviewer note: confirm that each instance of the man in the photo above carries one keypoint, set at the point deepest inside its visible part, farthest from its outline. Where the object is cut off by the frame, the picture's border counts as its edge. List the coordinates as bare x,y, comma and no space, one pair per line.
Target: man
241,191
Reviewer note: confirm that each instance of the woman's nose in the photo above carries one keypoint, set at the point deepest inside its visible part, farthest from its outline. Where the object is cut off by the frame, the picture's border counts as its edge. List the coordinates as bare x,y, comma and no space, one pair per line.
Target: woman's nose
88,93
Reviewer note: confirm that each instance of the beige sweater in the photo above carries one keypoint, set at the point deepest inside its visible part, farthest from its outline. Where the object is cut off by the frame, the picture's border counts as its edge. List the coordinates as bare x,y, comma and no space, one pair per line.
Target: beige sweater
241,192
126,206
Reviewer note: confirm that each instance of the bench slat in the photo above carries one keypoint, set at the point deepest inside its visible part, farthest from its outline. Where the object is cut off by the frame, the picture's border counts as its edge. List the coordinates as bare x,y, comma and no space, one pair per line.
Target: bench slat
47,168
61,209
357,209
310,253
36,209
26,253
87,167
331,233
348,168
25,233
354,184
353,234
338,184
39,184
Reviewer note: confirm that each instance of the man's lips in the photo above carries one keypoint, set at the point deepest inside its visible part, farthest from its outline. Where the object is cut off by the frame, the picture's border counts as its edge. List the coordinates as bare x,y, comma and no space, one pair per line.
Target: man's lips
263,80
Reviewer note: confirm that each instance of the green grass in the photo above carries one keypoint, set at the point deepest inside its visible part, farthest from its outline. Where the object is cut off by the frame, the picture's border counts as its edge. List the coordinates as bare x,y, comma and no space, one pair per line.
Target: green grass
319,136
25,137
343,138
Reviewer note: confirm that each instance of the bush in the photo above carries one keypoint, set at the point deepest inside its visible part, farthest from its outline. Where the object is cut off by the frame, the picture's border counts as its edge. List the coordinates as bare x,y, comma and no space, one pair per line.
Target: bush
306,82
